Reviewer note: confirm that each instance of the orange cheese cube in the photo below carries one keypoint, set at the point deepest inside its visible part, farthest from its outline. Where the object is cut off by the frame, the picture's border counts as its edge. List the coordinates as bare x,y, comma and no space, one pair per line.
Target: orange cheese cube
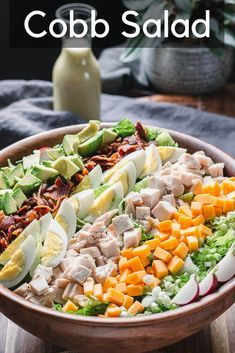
136,277
149,270
135,264
127,253
123,263
197,187
170,243
69,306
165,225
124,275
192,231
153,243
205,199
185,222
228,186
115,296
162,254
135,290
121,287
128,301
218,202
136,308
108,283
156,281
162,236
176,229
212,189
98,291
88,286
113,311
185,210
217,189
196,208
141,251
159,268
175,265
192,243
218,211
205,230
208,211
198,220
181,250
228,206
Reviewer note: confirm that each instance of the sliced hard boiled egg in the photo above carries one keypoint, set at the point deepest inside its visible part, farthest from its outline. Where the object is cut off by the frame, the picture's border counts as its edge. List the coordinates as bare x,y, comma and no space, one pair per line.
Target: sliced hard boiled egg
44,223
153,162
32,229
66,217
170,154
139,159
55,245
107,201
37,258
82,202
19,264
90,181
126,175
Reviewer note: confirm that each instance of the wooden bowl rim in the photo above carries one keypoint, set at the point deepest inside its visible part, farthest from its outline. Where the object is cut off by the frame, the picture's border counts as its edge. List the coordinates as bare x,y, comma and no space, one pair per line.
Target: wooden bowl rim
187,310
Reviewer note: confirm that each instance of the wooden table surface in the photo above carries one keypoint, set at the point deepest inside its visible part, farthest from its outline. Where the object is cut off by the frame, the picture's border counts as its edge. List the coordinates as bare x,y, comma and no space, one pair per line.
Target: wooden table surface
219,337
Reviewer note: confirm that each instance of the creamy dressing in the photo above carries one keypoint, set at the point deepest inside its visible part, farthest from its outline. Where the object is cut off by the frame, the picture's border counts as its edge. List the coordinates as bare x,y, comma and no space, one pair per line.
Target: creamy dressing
77,83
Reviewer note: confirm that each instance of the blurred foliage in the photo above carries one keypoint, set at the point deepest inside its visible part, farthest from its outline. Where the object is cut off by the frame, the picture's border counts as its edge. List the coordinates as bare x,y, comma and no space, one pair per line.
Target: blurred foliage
222,25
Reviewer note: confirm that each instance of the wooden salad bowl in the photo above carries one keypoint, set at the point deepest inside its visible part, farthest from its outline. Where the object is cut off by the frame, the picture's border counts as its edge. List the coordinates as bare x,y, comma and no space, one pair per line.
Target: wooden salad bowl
100,335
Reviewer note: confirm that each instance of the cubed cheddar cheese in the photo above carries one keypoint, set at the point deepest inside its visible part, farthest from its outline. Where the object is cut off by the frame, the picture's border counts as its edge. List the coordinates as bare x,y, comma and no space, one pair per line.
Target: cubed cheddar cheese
136,308
143,253
149,270
185,222
218,202
218,211
170,243
127,253
153,243
208,211
165,226
128,301
192,243
185,210
176,229
228,206
175,265
121,287
88,287
198,220
135,290
196,208
124,275
205,199
98,291
206,231
110,282
135,264
197,187
136,277
228,186
181,250
115,296
159,268
192,231
69,306
114,311
162,236
212,189
162,254
123,263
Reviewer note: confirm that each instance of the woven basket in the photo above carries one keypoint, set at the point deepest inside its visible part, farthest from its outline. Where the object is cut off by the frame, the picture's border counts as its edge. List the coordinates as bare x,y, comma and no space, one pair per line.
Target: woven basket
191,71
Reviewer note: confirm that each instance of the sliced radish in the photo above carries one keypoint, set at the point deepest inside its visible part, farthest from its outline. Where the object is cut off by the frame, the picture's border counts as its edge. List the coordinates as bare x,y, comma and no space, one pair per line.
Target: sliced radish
208,285
188,293
226,267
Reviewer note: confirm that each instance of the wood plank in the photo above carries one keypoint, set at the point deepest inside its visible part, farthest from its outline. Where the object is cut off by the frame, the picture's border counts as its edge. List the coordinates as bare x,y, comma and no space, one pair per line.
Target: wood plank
218,338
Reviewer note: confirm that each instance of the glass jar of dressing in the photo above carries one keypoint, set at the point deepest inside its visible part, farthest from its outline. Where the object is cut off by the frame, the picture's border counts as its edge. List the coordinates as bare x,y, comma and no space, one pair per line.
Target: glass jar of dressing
76,74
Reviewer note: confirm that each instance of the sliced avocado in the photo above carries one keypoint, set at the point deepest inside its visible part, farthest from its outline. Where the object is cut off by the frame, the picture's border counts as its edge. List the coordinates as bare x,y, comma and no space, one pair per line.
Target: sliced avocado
43,173
9,205
2,193
77,160
89,131
65,167
4,182
48,163
17,172
55,153
19,197
165,139
28,183
91,145
70,144
6,170
109,136
31,160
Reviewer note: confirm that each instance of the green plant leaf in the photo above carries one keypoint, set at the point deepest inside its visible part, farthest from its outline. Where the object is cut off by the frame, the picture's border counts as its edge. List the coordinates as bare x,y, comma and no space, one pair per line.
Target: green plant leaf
185,5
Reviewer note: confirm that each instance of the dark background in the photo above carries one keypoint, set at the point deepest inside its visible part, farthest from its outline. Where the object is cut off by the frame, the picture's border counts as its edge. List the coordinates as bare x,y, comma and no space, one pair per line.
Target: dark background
32,63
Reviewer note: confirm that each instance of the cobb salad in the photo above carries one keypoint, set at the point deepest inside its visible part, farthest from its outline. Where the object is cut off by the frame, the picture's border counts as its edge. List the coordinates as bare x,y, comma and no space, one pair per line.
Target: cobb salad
116,222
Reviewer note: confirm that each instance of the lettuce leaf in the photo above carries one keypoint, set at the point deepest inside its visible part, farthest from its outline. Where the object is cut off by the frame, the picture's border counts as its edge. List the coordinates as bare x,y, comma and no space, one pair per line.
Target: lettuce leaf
124,128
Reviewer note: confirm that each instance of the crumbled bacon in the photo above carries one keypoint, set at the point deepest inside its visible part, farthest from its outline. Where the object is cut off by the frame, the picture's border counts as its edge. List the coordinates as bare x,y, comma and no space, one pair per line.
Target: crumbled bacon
141,130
